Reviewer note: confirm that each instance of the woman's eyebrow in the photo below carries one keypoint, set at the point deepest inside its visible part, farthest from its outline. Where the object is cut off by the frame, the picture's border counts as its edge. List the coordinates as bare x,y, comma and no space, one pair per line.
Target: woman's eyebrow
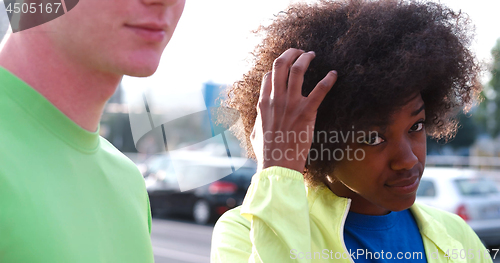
415,113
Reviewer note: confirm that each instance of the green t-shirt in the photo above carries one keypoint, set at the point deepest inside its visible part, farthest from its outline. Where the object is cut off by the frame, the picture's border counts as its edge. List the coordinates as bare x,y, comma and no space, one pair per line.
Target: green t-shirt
66,194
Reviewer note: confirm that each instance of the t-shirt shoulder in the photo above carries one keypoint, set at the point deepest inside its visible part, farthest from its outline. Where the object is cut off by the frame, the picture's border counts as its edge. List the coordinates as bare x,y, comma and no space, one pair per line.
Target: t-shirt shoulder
109,148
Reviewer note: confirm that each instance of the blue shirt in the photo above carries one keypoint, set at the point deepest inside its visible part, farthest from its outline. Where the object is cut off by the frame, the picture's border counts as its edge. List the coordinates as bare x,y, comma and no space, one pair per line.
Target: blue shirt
388,238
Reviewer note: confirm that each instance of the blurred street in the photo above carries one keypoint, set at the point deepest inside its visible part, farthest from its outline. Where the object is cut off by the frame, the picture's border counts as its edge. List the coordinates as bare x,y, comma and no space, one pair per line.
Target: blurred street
183,241
180,241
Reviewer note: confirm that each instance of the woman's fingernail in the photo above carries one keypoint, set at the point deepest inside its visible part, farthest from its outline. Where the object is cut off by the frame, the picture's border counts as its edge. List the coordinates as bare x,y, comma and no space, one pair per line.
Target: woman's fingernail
334,72
311,52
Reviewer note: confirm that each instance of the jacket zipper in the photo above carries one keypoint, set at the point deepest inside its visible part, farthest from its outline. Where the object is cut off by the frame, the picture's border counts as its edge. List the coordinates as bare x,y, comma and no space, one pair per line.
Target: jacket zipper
344,217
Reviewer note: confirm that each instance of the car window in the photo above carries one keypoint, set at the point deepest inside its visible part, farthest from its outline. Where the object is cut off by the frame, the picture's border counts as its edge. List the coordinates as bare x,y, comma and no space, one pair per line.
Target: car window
426,188
193,170
245,176
241,177
245,173
476,186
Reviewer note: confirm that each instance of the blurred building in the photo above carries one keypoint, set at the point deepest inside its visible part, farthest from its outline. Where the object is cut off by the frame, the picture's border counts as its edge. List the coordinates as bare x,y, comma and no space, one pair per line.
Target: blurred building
213,93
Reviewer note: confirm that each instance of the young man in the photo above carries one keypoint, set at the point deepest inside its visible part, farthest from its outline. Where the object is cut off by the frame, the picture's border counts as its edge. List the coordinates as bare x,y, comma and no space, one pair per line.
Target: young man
66,194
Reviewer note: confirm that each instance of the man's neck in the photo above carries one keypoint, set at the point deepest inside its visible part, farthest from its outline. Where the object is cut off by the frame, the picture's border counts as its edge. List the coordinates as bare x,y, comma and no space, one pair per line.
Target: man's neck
75,89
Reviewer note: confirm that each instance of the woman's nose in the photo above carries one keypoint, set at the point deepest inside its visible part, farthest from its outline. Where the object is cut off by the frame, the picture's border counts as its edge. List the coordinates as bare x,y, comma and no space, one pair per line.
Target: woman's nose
403,157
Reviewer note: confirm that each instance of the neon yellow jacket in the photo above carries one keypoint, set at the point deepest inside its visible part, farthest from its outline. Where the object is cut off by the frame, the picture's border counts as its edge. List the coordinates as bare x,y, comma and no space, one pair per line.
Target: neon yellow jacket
281,217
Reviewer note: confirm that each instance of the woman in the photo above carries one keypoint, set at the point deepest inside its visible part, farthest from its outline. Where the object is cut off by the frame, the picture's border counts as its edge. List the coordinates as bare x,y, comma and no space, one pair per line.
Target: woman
339,170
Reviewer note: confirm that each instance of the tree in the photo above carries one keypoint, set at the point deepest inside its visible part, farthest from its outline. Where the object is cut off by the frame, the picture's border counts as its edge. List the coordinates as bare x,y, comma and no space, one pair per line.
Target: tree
487,115
465,137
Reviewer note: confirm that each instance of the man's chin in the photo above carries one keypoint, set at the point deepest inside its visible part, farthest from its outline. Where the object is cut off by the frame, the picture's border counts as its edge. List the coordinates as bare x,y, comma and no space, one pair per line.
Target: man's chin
140,75
144,71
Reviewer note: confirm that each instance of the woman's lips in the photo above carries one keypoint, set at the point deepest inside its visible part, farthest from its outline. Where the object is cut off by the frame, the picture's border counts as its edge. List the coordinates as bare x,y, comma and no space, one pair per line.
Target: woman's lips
406,186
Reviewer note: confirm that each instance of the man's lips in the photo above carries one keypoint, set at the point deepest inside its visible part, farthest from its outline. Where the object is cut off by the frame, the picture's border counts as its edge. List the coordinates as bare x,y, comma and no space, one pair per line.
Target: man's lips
151,32
150,26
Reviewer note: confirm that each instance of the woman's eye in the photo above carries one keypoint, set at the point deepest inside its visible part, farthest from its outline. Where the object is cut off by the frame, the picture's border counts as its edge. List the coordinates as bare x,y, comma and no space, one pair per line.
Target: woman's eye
376,140
417,127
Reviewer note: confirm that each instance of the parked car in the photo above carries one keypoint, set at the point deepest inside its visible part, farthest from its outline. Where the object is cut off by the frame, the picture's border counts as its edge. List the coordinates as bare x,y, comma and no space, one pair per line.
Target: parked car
467,193
205,203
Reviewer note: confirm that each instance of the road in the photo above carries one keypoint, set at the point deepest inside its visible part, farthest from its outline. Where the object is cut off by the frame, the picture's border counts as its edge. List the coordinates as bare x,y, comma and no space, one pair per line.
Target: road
181,241
178,241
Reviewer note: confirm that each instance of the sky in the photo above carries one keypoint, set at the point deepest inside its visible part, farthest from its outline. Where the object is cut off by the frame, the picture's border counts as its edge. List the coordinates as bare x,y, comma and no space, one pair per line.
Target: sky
213,40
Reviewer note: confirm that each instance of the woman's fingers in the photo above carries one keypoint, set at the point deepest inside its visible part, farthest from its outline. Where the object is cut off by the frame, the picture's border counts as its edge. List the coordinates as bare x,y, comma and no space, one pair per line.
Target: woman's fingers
264,104
296,78
322,88
281,69
265,89
280,88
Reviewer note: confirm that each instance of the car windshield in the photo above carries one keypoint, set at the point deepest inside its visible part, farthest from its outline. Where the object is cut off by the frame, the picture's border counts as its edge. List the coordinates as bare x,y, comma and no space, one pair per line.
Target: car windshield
476,186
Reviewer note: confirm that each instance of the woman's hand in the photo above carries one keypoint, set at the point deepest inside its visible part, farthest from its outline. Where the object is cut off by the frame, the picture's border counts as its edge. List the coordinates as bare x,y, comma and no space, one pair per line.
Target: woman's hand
283,132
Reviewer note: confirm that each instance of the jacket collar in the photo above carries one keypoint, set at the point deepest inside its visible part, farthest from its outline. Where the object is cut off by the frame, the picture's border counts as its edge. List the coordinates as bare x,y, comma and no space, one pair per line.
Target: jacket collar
435,231
323,201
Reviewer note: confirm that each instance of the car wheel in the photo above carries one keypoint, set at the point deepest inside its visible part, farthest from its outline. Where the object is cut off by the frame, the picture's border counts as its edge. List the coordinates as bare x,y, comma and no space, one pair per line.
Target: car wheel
201,212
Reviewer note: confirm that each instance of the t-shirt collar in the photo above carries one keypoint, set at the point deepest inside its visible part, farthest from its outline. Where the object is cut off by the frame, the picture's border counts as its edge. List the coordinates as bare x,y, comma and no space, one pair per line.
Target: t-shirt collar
50,117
